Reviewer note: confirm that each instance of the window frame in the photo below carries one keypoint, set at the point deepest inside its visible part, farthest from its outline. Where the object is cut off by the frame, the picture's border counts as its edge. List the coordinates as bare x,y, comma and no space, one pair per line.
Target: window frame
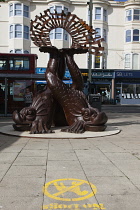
18,31
126,36
24,10
96,14
128,16
26,33
11,11
104,14
55,32
136,15
136,35
127,62
134,61
17,10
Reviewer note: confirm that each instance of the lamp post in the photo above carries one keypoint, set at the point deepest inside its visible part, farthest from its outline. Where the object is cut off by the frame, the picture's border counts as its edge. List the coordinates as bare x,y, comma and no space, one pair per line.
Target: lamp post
90,55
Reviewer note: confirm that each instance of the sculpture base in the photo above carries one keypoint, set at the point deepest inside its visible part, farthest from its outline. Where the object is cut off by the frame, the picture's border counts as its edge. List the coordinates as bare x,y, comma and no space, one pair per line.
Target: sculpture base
95,128
9,130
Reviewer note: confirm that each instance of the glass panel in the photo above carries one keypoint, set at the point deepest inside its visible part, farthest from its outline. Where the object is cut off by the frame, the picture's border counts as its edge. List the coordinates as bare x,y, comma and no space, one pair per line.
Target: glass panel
52,9
58,30
18,31
26,11
26,32
128,15
104,35
128,36
19,63
66,10
58,36
98,13
3,64
18,51
136,14
65,35
11,31
52,34
58,9
11,10
105,15
58,33
26,52
127,61
99,32
127,89
2,97
136,35
97,61
135,58
18,9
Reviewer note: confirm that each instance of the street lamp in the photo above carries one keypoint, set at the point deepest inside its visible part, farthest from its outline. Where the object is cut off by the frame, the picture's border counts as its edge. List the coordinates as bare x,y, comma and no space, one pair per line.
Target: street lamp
90,55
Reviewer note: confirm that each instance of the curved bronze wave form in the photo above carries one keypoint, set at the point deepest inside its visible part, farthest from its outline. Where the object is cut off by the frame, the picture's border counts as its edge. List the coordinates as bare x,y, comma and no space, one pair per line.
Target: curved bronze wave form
83,35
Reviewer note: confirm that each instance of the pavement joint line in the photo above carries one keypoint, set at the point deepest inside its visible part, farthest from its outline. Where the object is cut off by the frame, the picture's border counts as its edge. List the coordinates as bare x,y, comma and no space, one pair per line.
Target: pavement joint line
45,178
84,171
119,170
14,161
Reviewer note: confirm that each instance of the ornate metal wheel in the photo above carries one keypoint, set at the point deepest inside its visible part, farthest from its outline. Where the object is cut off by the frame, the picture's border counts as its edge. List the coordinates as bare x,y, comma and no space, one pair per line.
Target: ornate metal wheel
83,36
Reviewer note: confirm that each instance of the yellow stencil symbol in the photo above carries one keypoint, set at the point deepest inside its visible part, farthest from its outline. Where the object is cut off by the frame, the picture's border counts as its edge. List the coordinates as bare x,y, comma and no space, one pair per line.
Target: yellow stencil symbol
75,187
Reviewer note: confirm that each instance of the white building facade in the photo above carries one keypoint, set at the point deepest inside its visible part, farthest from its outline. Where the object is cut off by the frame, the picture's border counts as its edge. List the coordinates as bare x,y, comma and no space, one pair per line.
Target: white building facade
117,22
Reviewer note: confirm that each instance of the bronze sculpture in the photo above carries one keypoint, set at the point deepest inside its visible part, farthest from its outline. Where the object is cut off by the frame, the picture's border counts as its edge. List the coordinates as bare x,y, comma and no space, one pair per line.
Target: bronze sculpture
74,109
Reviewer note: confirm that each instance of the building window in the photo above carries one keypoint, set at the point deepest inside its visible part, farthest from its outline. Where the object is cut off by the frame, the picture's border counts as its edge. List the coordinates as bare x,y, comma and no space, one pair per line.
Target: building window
105,35
58,33
18,9
52,34
136,15
98,30
18,51
26,52
65,35
26,11
128,15
135,63
97,62
26,32
58,9
97,13
127,61
11,31
66,10
104,15
136,35
11,10
18,31
128,36
11,51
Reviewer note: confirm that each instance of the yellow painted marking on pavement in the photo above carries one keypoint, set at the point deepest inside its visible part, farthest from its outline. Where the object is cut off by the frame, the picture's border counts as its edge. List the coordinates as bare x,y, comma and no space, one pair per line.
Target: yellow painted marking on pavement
74,188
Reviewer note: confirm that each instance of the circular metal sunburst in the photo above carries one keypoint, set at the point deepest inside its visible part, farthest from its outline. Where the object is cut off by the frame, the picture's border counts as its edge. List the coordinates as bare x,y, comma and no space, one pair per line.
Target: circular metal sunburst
83,36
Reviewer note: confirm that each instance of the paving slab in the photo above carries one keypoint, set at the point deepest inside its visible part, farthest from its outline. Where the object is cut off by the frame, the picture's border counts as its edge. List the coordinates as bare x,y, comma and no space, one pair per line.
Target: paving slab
110,163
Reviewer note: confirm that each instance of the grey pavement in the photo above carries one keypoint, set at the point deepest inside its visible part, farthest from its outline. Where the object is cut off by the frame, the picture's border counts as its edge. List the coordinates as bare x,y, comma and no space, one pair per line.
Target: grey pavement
92,173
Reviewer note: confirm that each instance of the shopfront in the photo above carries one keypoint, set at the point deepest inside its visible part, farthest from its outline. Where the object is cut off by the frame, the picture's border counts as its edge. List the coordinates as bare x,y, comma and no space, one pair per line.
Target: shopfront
128,82
13,89
102,84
